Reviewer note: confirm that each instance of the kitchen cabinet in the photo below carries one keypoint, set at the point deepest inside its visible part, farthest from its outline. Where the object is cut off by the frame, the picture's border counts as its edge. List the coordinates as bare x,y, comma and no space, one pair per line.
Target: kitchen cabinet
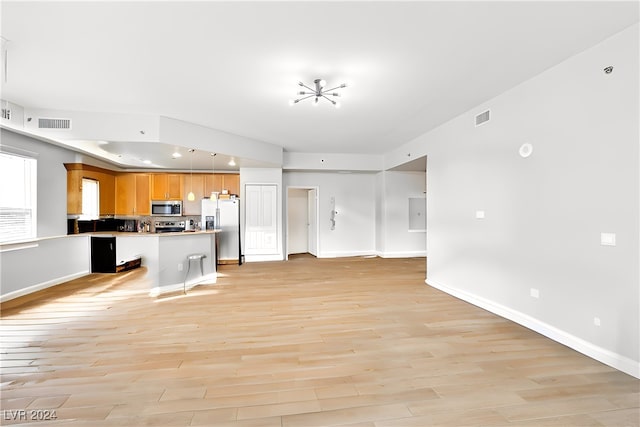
106,179
132,194
194,207
167,186
222,181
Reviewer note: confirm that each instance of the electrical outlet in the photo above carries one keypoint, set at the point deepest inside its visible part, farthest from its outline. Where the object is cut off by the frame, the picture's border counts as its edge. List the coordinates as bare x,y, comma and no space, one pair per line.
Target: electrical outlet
180,266
535,293
596,321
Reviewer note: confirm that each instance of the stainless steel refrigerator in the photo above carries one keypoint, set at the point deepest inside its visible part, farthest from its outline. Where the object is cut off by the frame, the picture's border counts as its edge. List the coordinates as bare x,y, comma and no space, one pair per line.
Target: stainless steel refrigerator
224,215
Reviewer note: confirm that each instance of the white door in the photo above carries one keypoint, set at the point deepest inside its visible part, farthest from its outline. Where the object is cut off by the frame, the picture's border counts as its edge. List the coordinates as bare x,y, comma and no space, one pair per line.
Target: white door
261,229
312,223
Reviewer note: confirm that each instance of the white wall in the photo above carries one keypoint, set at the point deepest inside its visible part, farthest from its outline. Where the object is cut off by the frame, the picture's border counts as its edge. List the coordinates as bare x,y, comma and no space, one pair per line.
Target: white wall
393,225
545,213
355,196
28,268
332,162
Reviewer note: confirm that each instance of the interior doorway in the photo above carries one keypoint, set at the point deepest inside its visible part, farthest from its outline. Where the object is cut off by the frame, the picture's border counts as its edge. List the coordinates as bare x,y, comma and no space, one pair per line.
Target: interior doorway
302,220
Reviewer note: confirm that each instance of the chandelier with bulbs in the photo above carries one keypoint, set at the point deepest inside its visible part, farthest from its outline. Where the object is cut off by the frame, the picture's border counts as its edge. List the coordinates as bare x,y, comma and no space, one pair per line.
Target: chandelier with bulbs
318,92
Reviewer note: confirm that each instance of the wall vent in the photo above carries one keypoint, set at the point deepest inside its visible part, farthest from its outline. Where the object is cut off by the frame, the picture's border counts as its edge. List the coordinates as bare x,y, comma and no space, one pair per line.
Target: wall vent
483,117
6,113
54,123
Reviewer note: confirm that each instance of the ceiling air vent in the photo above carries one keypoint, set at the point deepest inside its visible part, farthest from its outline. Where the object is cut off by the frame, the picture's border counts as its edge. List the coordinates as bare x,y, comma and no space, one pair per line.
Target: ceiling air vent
6,113
483,117
54,123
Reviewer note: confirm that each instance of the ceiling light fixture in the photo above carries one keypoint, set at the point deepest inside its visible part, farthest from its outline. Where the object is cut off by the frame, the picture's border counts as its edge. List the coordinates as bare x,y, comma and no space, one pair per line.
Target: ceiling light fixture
232,162
191,197
318,92
176,155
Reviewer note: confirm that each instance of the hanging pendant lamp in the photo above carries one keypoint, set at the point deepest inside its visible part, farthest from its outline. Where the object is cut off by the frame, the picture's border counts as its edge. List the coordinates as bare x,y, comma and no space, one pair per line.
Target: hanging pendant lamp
214,194
191,197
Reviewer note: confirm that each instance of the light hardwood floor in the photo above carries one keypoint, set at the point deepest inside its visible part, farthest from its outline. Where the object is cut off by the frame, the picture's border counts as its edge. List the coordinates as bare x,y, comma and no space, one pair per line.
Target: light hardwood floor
308,342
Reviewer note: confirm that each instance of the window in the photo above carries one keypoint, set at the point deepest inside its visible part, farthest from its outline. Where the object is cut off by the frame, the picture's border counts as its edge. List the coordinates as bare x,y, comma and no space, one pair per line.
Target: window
17,197
90,198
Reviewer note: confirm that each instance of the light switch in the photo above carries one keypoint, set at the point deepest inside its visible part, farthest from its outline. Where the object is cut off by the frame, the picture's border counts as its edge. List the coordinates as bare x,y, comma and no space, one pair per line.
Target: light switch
608,239
479,214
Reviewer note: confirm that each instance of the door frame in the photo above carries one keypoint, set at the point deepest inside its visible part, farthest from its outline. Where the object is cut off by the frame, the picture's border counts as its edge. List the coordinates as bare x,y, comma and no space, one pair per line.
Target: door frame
315,228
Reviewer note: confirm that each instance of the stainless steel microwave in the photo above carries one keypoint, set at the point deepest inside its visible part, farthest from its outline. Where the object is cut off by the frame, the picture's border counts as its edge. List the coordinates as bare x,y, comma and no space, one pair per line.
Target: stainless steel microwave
166,207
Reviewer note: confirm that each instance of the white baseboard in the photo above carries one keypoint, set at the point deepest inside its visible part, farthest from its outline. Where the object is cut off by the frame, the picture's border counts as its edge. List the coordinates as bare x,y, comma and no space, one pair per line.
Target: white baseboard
405,254
210,279
600,354
40,286
263,258
345,254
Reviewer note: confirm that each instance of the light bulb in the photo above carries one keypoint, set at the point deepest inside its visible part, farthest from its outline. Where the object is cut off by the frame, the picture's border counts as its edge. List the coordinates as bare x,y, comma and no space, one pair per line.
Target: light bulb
191,197
336,104
323,83
291,102
315,101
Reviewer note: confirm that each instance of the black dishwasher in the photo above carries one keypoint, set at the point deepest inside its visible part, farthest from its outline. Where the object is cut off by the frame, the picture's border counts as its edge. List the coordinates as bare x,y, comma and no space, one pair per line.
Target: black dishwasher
103,254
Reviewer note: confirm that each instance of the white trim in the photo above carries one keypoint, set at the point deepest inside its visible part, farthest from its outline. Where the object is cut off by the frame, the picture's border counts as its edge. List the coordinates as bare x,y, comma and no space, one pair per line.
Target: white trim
40,286
211,279
617,361
261,258
340,254
405,254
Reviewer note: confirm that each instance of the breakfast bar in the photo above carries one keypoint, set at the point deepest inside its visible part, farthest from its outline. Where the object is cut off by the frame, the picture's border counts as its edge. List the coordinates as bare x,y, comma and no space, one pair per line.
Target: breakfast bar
164,255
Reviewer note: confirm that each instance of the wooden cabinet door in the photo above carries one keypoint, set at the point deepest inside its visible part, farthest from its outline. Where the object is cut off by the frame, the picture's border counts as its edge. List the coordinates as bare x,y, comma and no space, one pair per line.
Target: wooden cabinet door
197,186
232,183
174,186
166,186
142,199
107,193
212,183
125,194
74,192
159,186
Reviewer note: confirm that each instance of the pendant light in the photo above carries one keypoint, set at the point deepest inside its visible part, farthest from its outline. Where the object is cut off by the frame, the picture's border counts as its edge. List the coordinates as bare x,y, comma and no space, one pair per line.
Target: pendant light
214,194
191,197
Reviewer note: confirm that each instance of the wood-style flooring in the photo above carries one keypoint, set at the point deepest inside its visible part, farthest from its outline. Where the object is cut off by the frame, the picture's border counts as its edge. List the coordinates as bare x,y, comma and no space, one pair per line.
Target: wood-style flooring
307,342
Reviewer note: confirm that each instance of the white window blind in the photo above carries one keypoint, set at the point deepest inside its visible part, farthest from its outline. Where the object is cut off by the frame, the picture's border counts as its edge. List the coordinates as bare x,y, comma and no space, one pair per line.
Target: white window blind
17,197
90,198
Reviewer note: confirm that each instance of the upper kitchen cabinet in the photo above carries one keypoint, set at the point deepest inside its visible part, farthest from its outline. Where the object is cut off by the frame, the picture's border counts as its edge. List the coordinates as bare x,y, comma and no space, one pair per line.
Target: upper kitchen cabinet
76,172
223,181
193,183
133,194
166,186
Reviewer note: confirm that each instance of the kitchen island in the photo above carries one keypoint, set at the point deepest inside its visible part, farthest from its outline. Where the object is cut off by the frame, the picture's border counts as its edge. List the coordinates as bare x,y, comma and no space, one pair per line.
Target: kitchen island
68,257
165,256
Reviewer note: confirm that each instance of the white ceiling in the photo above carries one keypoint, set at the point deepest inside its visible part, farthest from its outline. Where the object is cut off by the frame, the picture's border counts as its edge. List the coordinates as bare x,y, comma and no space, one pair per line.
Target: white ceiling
233,66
